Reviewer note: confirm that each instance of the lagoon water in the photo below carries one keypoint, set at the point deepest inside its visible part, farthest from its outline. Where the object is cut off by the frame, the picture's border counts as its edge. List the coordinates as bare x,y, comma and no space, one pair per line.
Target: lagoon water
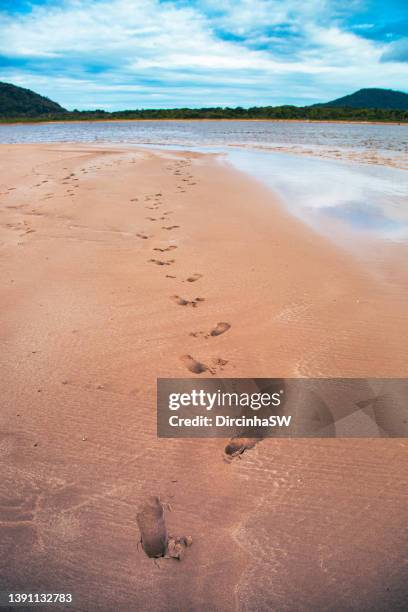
350,173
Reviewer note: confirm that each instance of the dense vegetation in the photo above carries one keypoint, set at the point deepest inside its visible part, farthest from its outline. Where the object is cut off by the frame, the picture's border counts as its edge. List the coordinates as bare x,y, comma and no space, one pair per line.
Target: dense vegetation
20,105
317,113
19,102
386,99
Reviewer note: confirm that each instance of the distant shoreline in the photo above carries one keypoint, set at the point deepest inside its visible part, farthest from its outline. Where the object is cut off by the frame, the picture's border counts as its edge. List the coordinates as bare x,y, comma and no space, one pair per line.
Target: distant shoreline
160,120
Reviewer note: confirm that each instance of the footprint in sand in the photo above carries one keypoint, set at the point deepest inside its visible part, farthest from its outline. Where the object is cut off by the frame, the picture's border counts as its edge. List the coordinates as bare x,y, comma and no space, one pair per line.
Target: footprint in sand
194,366
151,218
161,262
170,227
237,446
182,302
179,300
219,329
199,334
143,236
171,247
193,278
152,526
154,537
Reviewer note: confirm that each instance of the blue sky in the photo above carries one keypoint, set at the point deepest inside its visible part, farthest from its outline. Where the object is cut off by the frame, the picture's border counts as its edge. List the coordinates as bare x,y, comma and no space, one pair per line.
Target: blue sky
117,54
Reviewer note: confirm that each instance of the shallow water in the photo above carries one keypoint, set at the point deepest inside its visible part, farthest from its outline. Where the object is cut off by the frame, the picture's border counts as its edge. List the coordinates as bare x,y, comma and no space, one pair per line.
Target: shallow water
367,142
351,174
368,199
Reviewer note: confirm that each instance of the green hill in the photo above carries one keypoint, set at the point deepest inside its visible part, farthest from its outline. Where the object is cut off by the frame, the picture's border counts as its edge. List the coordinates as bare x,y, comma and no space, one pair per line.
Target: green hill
385,99
19,102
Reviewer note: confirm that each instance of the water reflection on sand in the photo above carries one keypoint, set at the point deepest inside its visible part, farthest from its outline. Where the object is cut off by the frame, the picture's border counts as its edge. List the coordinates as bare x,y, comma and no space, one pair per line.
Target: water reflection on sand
372,199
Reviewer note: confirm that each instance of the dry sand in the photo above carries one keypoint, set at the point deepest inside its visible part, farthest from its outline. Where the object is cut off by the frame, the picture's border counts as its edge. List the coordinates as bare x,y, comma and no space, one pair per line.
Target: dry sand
89,321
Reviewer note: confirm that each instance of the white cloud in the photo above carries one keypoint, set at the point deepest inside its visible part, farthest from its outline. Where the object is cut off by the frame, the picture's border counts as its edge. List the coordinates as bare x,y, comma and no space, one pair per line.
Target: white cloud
231,50
396,52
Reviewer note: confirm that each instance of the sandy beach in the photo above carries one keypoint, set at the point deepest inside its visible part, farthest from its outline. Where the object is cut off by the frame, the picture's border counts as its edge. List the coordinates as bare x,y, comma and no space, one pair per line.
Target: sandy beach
116,263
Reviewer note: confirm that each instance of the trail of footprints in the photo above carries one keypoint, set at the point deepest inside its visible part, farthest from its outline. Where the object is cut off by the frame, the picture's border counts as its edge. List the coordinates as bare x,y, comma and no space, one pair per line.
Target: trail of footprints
154,203
29,511
66,179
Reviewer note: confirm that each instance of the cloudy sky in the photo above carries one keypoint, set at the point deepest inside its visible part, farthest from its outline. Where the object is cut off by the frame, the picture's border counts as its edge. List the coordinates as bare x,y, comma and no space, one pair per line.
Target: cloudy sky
117,54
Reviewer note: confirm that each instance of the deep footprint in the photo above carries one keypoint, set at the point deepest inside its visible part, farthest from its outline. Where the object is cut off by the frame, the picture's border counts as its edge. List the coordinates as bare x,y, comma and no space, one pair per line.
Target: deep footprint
194,366
152,526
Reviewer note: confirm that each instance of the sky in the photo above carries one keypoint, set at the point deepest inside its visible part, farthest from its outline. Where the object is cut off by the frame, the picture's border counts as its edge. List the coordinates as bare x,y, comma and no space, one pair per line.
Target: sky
124,54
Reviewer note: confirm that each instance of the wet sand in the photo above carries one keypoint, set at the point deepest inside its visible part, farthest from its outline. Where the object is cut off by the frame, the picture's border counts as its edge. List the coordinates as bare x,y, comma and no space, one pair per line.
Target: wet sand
100,248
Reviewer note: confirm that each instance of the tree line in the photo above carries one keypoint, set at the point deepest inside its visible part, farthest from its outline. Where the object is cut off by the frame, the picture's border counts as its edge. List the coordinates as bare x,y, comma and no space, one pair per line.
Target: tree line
311,113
